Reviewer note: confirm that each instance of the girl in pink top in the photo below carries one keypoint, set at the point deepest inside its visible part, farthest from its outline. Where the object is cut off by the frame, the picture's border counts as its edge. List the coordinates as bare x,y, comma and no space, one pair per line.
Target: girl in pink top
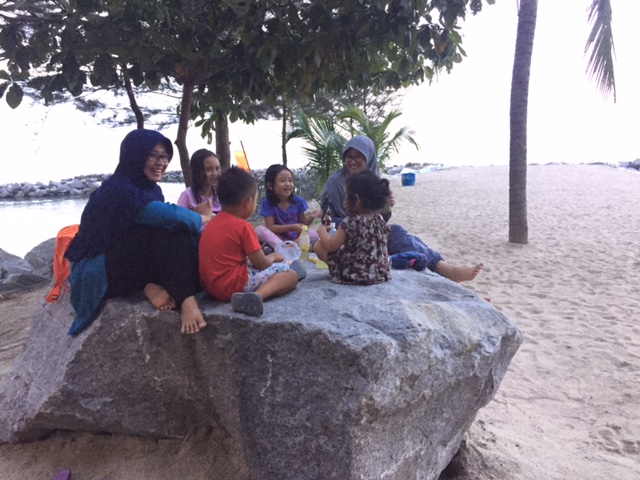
205,173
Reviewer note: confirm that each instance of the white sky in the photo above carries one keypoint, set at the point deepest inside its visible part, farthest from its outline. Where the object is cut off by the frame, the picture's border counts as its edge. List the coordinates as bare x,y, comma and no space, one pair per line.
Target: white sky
462,119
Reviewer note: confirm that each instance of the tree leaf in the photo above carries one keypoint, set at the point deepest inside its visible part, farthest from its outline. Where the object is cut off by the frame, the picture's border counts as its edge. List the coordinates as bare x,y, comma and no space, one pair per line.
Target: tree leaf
14,95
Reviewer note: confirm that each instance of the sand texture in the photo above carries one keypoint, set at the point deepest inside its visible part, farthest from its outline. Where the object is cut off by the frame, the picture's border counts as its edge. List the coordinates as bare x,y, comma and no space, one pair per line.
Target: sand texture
569,406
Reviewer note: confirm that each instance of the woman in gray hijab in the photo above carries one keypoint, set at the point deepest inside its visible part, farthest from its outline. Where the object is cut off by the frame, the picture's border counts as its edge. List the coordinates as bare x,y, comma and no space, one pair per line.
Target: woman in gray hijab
360,154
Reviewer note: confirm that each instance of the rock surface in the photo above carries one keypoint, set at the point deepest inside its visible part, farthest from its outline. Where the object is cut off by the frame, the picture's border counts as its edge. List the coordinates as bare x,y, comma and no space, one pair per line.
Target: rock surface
18,274
332,382
41,258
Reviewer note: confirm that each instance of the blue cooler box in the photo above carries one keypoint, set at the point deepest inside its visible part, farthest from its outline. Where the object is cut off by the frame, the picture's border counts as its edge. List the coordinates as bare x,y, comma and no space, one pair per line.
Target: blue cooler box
408,179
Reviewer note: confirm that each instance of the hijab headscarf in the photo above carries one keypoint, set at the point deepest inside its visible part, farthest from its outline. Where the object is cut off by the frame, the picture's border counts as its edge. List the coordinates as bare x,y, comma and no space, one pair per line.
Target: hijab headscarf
115,205
333,192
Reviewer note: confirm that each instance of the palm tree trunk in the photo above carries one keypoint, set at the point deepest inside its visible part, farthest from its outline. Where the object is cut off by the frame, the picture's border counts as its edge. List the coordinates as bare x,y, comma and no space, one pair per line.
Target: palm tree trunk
518,227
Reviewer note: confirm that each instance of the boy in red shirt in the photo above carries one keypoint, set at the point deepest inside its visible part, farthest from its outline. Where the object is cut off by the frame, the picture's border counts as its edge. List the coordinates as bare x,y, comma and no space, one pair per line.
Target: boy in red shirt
232,263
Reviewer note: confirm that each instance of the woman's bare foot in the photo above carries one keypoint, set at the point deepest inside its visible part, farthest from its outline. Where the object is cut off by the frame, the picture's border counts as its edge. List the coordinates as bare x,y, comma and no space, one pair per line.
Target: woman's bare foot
458,273
192,319
159,297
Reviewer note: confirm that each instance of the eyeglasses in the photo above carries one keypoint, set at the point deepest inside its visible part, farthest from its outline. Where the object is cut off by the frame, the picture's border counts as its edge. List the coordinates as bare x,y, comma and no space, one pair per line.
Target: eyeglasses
159,157
354,158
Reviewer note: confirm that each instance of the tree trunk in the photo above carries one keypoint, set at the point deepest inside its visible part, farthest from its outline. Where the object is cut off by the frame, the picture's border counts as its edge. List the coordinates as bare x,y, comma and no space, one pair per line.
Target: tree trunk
284,132
183,126
518,227
222,141
132,99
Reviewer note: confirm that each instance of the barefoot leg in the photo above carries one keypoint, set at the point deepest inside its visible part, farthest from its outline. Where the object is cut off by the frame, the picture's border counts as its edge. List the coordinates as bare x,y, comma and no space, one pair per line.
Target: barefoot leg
458,273
192,319
159,297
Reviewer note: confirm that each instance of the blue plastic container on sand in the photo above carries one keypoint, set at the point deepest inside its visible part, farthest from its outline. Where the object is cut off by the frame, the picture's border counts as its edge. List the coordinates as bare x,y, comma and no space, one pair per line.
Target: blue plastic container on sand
408,179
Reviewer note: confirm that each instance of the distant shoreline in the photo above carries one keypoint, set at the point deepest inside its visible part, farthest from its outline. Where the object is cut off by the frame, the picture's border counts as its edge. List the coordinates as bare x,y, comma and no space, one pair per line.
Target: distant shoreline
82,185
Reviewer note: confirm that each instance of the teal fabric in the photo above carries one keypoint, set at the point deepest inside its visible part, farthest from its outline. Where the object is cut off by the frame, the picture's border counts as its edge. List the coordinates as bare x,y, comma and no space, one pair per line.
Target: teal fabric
171,217
88,286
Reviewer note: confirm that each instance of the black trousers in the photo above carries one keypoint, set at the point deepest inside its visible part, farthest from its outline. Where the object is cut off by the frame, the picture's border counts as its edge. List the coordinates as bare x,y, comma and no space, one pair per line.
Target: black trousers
153,255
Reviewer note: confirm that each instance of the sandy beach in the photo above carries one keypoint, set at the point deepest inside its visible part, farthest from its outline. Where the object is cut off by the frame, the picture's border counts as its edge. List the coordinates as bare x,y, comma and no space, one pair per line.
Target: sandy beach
568,406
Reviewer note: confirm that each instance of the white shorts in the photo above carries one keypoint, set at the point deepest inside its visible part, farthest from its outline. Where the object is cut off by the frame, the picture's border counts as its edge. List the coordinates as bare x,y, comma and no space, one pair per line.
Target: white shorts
258,278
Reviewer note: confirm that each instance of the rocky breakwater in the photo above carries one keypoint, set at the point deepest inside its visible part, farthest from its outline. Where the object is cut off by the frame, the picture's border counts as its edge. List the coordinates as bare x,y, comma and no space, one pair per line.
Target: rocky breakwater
332,382
71,187
306,184
78,186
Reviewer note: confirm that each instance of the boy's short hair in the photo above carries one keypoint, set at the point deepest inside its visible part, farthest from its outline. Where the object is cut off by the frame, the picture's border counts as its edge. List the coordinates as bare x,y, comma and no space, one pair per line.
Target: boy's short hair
235,185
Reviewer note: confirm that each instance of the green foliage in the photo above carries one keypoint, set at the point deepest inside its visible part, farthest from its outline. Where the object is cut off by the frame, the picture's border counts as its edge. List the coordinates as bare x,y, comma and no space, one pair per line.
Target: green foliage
234,50
14,95
326,138
324,144
387,143
600,42
229,55
374,100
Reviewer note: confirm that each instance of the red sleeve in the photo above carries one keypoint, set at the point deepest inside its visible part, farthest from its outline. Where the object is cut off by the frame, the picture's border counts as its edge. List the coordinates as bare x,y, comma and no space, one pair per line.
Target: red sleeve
249,239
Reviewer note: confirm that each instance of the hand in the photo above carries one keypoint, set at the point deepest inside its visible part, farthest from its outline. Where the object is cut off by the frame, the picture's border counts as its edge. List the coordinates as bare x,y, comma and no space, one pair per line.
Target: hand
205,209
297,228
276,257
323,230
391,201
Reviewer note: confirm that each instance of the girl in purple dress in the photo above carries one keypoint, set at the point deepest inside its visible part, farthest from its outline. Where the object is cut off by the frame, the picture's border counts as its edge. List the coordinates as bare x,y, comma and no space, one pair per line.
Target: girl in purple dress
284,212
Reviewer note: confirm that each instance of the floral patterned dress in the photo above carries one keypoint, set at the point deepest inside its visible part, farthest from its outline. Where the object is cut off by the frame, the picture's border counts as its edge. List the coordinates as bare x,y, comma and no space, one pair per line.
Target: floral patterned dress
363,259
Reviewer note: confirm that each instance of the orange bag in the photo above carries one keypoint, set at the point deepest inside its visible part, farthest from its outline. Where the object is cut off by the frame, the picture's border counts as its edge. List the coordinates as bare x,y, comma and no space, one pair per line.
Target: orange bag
61,266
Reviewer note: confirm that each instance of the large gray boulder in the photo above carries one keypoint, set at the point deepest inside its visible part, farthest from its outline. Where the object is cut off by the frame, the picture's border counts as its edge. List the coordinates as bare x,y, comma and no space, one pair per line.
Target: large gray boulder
12,264
41,258
332,382
17,274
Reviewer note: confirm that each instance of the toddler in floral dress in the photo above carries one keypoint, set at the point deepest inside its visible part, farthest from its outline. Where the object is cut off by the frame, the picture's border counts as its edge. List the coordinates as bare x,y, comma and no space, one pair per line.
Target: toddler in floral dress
357,252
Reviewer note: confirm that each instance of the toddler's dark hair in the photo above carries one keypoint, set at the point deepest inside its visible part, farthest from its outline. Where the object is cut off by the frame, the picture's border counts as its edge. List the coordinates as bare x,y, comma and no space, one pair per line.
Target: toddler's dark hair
198,177
270,177
374,192
235,186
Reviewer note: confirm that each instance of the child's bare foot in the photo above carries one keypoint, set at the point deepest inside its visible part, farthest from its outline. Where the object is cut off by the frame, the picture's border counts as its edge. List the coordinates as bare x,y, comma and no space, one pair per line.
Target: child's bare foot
458,273
159,297
192,319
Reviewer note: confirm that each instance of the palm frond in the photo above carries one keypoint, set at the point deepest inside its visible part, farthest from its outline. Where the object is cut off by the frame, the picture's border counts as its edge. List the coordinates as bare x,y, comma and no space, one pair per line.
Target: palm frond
386,143
324,145
600,43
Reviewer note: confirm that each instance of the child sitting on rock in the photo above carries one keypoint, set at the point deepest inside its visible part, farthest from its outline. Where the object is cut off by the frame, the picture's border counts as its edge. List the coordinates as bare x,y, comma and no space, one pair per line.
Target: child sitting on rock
357,252
202,194
232,263
283,210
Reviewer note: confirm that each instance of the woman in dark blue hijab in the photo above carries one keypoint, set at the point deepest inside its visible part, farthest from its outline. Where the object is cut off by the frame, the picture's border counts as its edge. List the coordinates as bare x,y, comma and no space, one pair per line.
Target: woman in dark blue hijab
130,240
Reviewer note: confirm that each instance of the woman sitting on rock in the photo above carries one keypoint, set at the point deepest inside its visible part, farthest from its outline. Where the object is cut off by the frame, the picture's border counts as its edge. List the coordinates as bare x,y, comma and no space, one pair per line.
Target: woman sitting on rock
359,155
130,240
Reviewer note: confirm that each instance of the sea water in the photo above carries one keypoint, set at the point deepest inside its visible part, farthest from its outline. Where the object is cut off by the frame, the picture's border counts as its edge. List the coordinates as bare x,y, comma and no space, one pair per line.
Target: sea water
25,224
